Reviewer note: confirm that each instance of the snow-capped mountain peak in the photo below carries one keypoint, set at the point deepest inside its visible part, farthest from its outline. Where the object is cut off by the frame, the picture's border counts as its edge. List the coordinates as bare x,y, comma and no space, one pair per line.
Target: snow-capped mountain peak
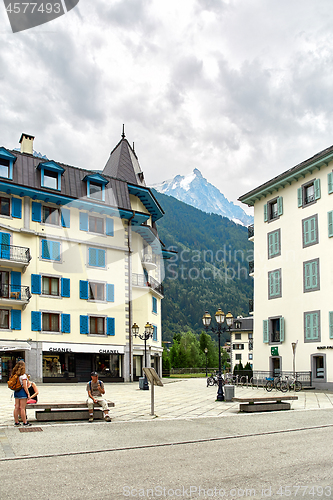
195,190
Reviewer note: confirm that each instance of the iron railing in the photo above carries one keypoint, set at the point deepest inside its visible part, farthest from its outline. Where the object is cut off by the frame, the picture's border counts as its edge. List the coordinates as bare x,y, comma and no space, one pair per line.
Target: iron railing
14,253
304,377
251,266
142,280
14,292
250,231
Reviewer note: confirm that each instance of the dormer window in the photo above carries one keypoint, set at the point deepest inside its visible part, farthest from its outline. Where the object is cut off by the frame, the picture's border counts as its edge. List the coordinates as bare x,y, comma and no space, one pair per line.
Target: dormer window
96,186
50,175
6,164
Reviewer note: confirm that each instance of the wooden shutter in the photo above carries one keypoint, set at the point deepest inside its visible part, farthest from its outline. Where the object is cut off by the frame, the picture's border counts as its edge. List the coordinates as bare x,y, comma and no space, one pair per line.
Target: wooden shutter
109,292
84,324
83,289
317,189
330,182
331,324
265,212
36,321
280,205
66,323
281,329
83,221
65,217
16,319
300,197
36,212
110,326
265,331
65,287
330,223
109,227
36,283
17,208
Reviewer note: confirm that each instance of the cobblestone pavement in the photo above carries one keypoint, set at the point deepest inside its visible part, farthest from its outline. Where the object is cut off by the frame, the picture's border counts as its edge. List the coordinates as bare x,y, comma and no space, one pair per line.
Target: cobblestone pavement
177,399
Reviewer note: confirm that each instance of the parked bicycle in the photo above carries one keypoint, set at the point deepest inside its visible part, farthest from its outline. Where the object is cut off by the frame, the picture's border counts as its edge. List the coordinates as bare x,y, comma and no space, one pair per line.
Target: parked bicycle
291,384
212,380
274,383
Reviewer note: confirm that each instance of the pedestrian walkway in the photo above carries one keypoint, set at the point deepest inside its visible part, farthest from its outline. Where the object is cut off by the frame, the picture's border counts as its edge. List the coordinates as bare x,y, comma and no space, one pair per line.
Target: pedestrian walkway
177,399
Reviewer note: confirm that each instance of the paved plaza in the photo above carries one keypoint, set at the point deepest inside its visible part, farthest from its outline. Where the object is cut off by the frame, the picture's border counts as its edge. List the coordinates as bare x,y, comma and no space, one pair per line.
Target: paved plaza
177,399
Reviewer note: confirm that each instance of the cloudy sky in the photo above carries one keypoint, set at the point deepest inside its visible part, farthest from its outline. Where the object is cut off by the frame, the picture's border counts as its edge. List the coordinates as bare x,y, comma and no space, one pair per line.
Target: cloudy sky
241,89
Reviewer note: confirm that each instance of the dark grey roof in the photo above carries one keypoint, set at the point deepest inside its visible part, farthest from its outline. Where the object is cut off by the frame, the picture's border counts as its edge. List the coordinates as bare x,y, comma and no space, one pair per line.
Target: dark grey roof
26,174
246,324
123,164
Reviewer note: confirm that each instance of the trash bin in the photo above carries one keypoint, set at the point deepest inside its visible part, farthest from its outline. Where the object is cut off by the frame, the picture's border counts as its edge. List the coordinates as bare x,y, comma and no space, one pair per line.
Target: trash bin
141,382
229,392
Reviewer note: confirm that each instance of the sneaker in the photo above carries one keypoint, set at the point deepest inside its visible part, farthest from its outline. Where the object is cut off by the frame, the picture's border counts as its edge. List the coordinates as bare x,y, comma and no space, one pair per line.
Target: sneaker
91,419
27,424
107,418
17,424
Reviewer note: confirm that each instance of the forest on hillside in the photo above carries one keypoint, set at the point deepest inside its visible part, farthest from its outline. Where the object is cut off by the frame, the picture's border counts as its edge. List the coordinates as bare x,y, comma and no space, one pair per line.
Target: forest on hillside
209,271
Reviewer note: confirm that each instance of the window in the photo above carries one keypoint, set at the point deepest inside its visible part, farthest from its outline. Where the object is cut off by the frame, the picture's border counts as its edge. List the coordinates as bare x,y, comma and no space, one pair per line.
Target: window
155,332
97,325
154,305
250,336
312,326
51,250
250,355
238,336
274,284
274,243
50,215
273,209
96,225
309,193
50,179
310,231
238,346
50,286
4,167
50,322
95,191
311,280
319,367
4,206
96,257
238,357
273,330
4,318
96,291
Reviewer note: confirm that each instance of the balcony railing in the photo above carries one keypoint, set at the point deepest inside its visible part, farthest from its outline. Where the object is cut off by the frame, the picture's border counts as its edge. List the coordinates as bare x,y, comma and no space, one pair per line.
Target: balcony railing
141,280
13,292
15,254
251,266
250,231
260,377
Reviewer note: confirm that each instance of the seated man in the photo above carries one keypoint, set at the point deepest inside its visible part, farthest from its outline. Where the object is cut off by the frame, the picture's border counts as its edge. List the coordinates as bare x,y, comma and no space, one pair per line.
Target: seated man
95,389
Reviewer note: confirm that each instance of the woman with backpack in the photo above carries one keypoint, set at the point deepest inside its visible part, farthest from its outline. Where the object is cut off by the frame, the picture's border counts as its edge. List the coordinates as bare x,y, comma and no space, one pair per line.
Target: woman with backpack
21,395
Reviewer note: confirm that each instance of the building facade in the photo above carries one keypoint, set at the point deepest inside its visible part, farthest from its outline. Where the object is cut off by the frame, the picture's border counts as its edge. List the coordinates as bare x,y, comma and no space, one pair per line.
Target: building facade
241,341
80,262
293,270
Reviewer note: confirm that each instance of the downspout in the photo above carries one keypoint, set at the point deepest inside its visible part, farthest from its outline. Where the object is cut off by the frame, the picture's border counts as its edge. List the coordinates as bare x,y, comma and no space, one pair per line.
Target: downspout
130,294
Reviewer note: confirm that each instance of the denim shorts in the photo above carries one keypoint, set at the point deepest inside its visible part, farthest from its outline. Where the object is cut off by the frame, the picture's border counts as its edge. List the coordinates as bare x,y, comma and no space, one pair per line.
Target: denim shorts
20,394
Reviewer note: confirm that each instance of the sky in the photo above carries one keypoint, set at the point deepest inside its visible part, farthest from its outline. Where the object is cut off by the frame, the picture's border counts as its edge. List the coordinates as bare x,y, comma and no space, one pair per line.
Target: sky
240,89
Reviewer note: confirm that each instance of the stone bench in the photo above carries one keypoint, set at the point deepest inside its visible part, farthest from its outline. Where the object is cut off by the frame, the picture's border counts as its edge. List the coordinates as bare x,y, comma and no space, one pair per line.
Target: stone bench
47,412
269,403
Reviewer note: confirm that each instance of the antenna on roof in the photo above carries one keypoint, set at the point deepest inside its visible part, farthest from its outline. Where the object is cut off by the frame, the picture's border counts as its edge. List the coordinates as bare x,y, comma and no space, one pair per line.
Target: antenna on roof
123,134
133,148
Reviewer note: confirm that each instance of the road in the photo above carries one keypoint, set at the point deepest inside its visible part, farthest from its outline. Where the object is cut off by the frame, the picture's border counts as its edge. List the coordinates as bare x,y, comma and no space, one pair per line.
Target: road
275,455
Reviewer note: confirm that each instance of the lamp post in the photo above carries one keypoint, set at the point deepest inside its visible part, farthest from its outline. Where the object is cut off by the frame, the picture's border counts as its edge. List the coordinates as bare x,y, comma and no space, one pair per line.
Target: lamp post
149,329
206,351
219,318
293,346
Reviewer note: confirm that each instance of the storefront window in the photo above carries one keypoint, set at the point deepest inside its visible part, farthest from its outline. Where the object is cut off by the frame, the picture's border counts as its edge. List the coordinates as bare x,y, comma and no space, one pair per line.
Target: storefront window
108,365
59,365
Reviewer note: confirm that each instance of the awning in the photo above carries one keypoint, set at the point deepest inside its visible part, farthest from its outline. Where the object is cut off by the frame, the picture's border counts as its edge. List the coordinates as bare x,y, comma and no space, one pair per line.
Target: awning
7,345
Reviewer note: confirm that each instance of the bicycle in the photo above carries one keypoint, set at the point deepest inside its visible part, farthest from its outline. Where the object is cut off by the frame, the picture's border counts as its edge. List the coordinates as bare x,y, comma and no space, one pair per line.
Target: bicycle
291,384
212,380
273,383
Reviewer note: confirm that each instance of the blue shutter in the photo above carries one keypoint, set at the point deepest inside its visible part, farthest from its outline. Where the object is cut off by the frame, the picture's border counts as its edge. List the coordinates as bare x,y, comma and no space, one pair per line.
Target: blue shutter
84,324
36,283
36,321
5,245
280,205
92,257
15,281
83,289
317,189
265,331
109,292
100,258
154,332
17,208
65,217
16,319
83,221
281,329
154,305
65,287
299,197
54,250
265,212
36,211
109,227
66,323
110,326
96,257
45,250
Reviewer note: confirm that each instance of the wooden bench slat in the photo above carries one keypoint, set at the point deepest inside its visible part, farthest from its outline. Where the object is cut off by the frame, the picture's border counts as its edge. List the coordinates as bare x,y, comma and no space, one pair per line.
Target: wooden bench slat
264,399
67,404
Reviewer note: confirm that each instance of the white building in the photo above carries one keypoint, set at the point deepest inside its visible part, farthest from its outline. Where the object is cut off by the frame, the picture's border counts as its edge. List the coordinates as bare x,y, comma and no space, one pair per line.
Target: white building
293,270
80,263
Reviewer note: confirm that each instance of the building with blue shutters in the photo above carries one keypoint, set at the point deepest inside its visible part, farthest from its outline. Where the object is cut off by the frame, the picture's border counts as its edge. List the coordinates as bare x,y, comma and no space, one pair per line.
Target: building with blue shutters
80,263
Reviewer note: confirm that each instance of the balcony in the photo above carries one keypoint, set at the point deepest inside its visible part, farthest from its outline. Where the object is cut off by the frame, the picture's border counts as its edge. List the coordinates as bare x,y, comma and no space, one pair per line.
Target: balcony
15,256
14,295
141,280
251,267
250,232
148,262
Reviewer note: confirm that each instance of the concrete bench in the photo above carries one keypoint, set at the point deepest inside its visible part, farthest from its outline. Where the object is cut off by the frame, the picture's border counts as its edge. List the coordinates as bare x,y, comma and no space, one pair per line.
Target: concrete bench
47,412
269,403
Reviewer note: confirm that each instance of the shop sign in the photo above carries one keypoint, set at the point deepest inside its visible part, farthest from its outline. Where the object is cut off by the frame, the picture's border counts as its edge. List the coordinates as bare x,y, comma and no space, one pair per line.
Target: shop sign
324,346
57,347
274,351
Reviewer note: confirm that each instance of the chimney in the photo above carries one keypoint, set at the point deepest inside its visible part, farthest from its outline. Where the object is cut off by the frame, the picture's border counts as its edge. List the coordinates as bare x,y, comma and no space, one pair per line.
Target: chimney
27,142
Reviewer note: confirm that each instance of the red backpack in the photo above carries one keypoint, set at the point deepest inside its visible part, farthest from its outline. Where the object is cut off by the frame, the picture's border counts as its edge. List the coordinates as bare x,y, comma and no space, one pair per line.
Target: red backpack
14,382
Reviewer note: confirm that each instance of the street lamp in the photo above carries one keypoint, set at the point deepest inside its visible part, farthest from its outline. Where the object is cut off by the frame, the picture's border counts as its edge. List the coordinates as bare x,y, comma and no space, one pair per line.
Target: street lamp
206,351
219,318
149,330
293,346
